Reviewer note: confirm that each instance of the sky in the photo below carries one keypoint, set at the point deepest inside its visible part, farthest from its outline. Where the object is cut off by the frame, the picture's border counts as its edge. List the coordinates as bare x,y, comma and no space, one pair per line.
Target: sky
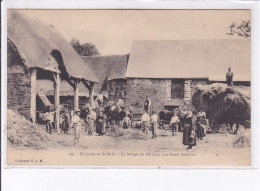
113,31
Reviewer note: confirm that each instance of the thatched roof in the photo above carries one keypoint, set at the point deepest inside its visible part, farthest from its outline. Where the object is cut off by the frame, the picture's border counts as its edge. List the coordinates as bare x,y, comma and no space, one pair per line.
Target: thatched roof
35,41
107,68
190,59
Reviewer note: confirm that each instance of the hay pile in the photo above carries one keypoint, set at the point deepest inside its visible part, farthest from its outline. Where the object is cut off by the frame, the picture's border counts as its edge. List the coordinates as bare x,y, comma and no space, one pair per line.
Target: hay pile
243,140
128,134
22,134
222,103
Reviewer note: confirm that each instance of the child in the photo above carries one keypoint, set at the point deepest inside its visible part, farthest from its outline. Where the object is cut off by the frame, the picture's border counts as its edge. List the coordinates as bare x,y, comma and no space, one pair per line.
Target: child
174,122
126,122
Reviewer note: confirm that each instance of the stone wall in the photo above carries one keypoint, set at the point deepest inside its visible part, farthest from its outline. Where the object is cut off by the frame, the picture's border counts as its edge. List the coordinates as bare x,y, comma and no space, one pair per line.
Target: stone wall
117,89
19,90
158,90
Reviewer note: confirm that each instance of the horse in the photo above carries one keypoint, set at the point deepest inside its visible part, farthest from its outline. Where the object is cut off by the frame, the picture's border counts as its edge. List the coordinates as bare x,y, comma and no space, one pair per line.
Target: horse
166,115
116,111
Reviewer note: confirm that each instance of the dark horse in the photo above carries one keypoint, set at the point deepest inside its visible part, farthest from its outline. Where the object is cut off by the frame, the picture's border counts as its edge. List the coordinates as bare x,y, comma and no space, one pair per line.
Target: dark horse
114,113
166,115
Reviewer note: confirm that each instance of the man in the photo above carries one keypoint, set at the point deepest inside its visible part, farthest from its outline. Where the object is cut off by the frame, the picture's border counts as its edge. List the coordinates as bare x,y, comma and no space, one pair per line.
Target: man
174,122
75,122
145,122
154,121
49,119
229,77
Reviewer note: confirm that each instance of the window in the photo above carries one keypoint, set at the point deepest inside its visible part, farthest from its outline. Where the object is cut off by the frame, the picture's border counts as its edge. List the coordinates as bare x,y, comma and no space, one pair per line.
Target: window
177,89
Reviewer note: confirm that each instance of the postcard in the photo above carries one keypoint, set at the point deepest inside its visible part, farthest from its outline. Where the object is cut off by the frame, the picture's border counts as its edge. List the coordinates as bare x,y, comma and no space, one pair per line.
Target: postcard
128,88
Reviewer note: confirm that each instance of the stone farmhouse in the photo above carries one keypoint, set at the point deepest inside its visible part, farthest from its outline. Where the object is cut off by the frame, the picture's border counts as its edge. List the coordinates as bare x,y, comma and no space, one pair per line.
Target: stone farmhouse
168,71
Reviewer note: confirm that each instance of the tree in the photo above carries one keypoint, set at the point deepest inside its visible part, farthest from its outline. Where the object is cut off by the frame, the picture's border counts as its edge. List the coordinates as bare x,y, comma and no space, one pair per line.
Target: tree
243,29
86,49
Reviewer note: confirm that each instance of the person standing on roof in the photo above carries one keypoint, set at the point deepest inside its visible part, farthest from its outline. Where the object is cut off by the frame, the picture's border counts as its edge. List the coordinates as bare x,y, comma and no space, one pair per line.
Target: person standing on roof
229,77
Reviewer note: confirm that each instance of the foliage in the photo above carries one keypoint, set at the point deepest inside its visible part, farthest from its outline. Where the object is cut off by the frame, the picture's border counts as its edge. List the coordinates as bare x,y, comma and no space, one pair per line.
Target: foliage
243,29
86,49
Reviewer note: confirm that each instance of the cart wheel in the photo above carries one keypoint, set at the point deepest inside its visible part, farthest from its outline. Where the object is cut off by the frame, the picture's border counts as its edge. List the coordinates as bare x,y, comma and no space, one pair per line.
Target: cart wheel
232,128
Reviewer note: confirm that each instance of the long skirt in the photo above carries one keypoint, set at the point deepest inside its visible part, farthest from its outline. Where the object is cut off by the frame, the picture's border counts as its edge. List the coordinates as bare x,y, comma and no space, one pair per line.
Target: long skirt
189,135
65,126
91,127
200,131
100,129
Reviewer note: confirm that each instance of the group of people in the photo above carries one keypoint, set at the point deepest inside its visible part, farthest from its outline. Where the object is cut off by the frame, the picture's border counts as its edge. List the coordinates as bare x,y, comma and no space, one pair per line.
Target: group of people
190,131
146,121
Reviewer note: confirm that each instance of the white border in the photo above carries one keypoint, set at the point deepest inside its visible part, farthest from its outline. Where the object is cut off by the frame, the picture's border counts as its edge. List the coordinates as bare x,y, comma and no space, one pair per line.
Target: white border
15,177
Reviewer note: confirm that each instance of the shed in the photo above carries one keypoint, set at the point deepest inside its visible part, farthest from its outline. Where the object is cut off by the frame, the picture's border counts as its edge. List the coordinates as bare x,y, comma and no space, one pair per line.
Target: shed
38,51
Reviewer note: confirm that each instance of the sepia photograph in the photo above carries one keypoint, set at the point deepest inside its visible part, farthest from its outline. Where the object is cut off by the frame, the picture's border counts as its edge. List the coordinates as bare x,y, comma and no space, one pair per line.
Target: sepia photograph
128,88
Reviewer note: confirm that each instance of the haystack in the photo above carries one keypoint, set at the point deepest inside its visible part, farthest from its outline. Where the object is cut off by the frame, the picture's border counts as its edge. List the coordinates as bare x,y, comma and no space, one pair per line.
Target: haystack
222,103
22,134
243,140
128,134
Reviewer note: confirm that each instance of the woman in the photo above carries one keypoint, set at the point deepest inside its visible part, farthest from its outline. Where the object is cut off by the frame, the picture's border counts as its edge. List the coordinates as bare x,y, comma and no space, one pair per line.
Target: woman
189,135
66,122
91,117
100,129
201,125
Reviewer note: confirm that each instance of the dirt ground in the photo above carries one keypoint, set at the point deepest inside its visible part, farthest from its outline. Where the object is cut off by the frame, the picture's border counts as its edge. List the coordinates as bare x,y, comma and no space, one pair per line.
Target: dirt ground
214,149
213,143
